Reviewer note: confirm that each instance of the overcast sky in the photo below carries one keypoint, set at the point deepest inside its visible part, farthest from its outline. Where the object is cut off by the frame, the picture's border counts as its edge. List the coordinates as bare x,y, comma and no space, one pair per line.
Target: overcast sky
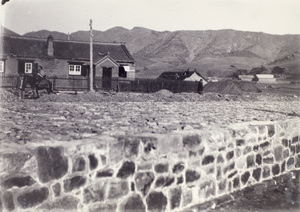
269,16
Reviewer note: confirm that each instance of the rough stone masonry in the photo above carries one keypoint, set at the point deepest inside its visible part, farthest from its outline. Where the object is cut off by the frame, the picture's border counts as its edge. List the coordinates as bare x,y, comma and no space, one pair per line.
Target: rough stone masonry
145,171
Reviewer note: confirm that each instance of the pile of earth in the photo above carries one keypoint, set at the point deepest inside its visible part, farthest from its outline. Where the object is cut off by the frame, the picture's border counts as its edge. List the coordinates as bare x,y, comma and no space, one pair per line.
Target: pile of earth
231,87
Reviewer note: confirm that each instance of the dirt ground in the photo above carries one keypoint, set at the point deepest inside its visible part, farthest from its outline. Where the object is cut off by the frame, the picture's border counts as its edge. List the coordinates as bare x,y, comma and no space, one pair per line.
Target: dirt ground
158,112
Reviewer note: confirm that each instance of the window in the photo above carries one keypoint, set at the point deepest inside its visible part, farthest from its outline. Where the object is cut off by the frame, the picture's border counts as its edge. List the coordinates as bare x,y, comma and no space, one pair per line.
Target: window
28,68
1,66
74,69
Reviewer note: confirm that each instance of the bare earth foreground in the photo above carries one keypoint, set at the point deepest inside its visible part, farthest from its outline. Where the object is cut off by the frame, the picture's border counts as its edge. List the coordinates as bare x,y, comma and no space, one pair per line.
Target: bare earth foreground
70,116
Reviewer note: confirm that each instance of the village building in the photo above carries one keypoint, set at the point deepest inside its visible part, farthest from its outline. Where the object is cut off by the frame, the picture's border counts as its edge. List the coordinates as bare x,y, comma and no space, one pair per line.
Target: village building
65,58
183,76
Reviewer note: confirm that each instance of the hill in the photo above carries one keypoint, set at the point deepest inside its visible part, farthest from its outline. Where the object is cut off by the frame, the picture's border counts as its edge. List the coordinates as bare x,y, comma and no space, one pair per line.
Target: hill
212,52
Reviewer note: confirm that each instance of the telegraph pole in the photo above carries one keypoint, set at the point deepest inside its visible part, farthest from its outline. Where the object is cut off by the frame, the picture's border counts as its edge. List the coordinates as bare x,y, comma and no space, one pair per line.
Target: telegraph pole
91,58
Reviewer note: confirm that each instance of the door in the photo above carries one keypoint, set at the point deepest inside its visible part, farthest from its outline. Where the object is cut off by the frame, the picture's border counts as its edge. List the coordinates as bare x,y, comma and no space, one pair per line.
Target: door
106,78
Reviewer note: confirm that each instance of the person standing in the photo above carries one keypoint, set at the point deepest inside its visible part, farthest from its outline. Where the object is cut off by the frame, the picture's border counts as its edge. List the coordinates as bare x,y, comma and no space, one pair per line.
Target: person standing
200,86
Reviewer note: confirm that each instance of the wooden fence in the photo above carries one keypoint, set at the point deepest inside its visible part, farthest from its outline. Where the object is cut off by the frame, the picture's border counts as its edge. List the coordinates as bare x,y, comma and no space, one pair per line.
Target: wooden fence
115,84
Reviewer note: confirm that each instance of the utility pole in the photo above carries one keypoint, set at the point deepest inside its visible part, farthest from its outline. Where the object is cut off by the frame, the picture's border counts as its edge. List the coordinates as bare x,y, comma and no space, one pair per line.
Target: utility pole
91,58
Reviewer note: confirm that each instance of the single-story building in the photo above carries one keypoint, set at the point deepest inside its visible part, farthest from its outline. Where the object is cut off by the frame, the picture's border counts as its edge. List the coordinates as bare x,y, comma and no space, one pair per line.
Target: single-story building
265,78
183,75
64,58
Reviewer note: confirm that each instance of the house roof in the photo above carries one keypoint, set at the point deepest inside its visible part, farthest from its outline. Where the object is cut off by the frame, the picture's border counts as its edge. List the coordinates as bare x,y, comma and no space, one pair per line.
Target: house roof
71,50
181,75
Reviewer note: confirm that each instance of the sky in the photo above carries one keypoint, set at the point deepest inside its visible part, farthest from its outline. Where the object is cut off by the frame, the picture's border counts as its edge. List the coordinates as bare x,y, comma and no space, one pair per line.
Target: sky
269,16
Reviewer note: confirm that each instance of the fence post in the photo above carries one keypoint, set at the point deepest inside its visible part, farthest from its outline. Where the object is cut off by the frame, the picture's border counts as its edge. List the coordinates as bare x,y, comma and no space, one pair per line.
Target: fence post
54,83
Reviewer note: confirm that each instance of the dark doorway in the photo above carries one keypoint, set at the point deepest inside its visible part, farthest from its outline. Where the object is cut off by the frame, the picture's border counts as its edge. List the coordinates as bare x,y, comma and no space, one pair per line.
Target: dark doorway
106,78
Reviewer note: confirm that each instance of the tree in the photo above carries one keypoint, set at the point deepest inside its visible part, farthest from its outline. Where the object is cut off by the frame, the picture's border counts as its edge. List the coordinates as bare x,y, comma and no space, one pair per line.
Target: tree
277,70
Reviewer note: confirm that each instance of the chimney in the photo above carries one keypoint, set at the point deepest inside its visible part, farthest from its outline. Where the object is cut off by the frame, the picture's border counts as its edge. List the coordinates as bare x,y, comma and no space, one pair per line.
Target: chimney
50,49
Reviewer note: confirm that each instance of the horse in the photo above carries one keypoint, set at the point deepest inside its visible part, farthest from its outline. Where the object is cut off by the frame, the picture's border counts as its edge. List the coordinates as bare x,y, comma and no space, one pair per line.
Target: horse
36,82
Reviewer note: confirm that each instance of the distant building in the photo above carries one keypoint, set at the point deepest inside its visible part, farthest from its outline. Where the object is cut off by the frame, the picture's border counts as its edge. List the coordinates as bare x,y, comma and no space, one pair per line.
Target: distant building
246,77
183,76
265,78
64,58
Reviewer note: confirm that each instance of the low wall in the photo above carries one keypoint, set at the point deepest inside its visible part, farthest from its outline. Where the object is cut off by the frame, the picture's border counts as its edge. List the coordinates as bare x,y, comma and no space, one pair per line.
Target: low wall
145,172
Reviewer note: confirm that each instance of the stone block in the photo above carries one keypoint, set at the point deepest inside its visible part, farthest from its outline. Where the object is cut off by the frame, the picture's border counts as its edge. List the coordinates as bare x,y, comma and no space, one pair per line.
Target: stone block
143,181
258,159
116,151
208,159
283,167
245,177
295,139
220,159
51,163
286,153
250,161
240,142
285,142
268,160
103,207
230,155
133,203
256,148
179,180
262,129
156,201
118,190
29,199
74,183
93,161
105,173
256,174
293,149
219,172
14,162
127,169
191,141
201,151
164,181
178,167
266,172
94,193
232,174
297,161
229,167
8,201
271,130
247,149
131,147
149,144
161,167
278,153
192,154
78,164
18,182
103,159
175,197
187,197
290,163
56,189
276,169
222,186
236,182
297,148
66,203
191,176
265,145
207,189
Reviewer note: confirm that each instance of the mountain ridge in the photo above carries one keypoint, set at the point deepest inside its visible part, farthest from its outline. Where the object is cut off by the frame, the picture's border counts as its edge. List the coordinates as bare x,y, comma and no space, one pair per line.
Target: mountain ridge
218,52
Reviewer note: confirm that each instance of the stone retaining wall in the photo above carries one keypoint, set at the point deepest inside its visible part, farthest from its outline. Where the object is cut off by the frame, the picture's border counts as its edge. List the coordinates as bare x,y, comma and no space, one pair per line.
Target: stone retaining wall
145,172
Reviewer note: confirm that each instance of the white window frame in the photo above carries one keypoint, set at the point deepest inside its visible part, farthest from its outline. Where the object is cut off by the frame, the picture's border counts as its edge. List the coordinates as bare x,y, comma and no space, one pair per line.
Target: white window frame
1,66
74,69
28,68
